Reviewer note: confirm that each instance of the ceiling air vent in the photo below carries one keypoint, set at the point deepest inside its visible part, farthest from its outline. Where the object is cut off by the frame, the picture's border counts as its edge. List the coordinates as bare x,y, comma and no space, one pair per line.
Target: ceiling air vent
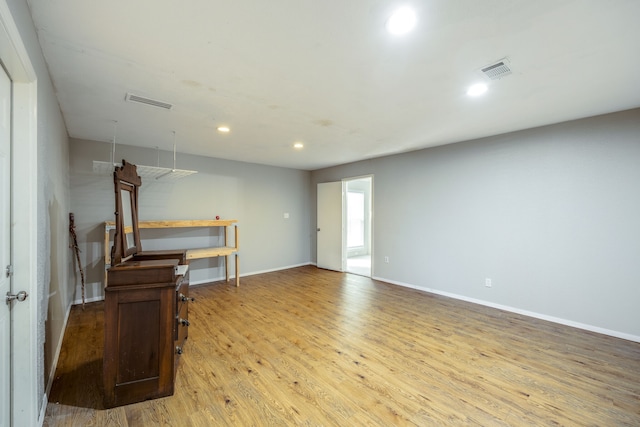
142,100
496,70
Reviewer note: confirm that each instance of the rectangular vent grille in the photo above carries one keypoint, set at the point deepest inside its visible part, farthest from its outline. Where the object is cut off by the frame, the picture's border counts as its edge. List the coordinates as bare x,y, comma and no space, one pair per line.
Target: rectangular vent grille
496,71
142,100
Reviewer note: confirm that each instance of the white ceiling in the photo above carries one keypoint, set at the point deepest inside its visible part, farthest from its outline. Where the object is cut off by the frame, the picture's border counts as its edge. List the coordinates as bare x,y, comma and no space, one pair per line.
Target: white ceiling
326,72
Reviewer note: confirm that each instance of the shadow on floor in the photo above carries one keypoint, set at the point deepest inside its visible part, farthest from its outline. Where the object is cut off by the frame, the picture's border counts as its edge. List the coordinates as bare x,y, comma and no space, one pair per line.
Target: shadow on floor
65,389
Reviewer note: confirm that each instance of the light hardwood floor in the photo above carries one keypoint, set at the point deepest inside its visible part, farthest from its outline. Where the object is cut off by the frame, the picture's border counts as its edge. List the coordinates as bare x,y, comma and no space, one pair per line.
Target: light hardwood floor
309,347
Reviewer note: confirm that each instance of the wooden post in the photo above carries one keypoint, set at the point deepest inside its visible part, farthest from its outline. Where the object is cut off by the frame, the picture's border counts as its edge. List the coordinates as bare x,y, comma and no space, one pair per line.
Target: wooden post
226,258
237,243
237,270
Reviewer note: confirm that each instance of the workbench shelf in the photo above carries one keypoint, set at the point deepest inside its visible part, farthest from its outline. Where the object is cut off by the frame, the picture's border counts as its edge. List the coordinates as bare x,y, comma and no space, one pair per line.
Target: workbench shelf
197,253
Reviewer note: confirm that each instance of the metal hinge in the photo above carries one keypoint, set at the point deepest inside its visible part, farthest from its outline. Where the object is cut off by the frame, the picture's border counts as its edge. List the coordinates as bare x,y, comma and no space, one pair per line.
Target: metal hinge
9,270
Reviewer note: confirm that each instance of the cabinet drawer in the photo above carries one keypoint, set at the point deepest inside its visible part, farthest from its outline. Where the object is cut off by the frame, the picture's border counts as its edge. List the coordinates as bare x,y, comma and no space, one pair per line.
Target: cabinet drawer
182,315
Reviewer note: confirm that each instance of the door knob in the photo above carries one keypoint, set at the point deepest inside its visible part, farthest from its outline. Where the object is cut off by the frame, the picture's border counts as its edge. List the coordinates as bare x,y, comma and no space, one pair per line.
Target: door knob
20,296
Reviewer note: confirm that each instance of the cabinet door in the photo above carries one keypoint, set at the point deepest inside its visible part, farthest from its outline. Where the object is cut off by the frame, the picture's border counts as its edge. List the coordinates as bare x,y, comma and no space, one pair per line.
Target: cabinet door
139,353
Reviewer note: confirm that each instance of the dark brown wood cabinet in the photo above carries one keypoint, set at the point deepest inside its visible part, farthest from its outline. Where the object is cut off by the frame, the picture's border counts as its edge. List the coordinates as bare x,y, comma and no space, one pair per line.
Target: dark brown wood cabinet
146,319
146,326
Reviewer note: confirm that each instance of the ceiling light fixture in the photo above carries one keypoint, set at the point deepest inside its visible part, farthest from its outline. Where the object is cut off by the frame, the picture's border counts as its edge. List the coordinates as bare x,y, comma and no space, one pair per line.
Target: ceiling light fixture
402,21
298,145
223,129
477,89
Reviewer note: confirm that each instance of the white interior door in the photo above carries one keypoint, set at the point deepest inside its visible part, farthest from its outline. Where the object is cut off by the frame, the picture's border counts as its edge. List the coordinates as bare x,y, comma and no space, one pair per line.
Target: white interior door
5,248
26,348
329,248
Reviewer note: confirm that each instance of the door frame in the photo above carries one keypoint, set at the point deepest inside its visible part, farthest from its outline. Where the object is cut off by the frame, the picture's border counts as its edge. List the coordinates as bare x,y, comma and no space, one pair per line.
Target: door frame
343,215
25,359
345,249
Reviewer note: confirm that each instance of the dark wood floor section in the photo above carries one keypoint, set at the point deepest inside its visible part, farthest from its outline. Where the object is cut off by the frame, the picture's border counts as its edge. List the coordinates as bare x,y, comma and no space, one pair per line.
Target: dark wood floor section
309,347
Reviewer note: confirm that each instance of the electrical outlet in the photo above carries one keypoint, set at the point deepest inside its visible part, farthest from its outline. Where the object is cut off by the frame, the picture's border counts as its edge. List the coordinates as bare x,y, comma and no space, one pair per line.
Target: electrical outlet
386,259
286,215
487,282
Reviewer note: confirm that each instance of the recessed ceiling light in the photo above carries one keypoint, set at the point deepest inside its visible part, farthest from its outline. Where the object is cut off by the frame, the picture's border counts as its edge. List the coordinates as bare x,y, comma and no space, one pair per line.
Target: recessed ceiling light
477,89
402,21
223,129
298,145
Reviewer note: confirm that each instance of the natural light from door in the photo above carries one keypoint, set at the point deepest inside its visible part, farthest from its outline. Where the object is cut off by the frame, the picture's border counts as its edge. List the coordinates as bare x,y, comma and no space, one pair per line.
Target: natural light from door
355,218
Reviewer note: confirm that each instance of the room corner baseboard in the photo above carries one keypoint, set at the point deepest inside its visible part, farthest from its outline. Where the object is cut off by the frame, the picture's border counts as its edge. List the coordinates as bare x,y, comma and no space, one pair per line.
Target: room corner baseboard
43,409
209,280
252,273
88,300
571,323
54,364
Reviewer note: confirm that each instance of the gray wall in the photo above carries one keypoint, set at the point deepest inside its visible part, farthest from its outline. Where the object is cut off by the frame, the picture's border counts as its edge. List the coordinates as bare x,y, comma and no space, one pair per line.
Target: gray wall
54,298
551,215
257,196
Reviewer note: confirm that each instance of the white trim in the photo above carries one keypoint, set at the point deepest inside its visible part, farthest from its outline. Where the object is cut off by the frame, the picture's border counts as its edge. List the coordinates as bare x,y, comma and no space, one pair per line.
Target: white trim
25,243
24,219
211,280
13,52
553,319
43,410
358,177
253,273
208,281
56,356
87,301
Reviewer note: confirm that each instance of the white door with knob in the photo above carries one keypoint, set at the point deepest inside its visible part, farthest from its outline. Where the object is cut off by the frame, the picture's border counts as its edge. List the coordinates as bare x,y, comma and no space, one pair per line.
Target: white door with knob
20,396
5,248
329,248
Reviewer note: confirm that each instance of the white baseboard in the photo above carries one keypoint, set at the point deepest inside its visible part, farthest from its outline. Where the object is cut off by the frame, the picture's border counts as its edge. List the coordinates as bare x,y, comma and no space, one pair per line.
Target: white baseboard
43,410
54,366
553,319
56,355
88,300
209,280
252,273
276,269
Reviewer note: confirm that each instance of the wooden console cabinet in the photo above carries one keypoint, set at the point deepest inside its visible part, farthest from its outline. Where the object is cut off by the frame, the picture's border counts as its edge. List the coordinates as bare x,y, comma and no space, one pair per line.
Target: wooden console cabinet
146,325
146,318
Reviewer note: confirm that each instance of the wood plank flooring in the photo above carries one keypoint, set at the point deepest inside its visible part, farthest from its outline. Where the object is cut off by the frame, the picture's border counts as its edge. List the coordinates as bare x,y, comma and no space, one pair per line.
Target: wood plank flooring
310,347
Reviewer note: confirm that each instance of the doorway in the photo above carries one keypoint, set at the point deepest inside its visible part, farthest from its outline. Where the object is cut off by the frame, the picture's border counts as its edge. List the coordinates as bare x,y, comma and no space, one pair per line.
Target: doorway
344,225
357,218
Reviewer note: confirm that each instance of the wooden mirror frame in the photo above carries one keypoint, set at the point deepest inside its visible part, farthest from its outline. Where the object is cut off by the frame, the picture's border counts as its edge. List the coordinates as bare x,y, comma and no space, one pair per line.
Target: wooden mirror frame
125,180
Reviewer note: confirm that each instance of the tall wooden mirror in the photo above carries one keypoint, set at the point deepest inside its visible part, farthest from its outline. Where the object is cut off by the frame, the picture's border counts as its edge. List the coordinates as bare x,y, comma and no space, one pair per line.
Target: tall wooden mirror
126,241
